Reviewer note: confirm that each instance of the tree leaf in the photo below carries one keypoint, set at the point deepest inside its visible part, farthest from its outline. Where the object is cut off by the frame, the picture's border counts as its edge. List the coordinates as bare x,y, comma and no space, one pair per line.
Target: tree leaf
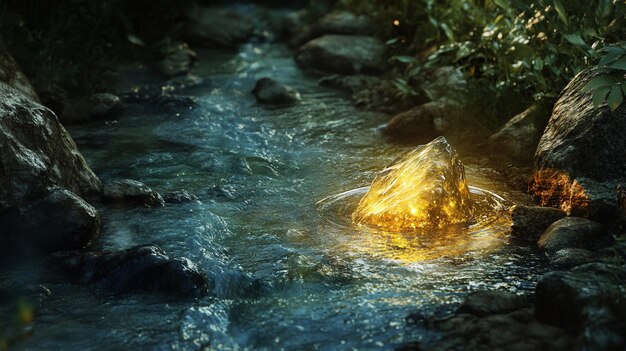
608,58
405,59
575,39
133,39
599,96
560,9
615,97
620,64
599,82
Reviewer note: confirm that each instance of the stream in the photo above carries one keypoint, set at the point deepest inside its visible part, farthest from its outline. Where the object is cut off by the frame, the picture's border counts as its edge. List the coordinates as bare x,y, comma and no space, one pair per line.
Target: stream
284,273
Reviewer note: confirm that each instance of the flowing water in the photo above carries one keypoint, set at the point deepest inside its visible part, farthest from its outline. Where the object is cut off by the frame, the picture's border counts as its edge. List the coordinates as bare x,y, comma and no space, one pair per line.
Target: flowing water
287,272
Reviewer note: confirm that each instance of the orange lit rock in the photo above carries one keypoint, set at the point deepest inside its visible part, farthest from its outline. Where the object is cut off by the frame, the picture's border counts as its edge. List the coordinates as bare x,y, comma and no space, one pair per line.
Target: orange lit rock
425,188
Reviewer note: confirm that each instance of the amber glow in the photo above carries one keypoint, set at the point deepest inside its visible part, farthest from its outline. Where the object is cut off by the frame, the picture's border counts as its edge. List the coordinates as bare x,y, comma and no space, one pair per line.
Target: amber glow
425,188
557,189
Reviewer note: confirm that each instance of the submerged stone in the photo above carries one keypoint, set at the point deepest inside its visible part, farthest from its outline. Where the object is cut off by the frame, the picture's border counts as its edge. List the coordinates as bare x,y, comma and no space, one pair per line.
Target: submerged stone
425,188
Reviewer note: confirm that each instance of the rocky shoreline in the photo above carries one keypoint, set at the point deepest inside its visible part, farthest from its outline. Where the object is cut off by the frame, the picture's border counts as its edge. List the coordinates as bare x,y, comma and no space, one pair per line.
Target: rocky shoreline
46,186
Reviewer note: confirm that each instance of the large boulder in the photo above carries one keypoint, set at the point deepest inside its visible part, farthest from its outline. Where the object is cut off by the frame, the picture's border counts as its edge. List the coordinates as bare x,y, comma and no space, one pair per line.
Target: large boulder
486,302
11,75
519,137
36,153
586,300
345,54
574,232
216,26
177,59
138,269
59,221
581,156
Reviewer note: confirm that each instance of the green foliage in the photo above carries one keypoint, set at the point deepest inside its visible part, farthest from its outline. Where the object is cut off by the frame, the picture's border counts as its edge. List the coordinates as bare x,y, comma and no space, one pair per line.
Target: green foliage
513,49
610,84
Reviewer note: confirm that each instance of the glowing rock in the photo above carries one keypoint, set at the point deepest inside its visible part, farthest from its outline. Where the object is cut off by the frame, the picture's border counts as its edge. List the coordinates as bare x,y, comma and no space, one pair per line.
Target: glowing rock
424,188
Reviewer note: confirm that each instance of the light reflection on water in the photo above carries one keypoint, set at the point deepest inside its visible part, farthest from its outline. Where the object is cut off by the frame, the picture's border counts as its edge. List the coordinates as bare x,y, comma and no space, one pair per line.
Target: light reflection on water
258,173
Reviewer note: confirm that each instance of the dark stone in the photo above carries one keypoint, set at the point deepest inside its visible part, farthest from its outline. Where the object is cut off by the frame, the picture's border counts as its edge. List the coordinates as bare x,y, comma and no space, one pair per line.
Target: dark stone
269,91
138,269
336,22
128,191
178,59
529,222
484,303
353,83
37,153
215,26
518,330
432,119
519,137
59,221
574,232
179,197
95,107
586,300
344,54
53,97
12,75
581,156
621,209
571,257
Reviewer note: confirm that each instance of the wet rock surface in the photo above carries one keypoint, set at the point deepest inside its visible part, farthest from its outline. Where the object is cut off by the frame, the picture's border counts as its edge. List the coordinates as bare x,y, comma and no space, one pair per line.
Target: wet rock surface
345,54
352,83
131,192
529,222
12,75
95,107
216,26
519,137
179,197
432,119
574,232
336,22
269,91
571,257
138,269
484,303
586,300
59,221
580,159
37,152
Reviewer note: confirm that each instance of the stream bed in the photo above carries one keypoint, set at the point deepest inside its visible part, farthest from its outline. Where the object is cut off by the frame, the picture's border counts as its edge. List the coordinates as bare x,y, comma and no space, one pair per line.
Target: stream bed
284,274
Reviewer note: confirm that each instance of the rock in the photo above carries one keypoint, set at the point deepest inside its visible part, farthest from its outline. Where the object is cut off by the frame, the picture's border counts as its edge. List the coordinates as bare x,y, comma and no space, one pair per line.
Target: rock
424,188
581,156
178,59
586,300
128,191
37,153
336,22
430,120
484,303
269,91
574,232
12,75
344,54
352,83
138,269
444,83
519,137
571,257
95,107
529,222
216,26
179,197
53,97
518,331
59,221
